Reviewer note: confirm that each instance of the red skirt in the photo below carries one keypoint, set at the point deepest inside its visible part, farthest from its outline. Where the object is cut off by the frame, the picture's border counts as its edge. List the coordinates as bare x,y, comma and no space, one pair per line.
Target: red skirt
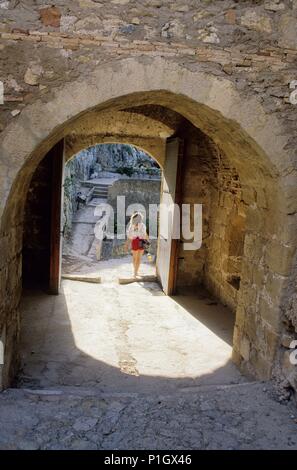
136,244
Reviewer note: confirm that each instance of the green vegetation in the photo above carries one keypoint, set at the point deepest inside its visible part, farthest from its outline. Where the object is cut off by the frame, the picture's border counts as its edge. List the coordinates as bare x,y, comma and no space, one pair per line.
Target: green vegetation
125,170
68,184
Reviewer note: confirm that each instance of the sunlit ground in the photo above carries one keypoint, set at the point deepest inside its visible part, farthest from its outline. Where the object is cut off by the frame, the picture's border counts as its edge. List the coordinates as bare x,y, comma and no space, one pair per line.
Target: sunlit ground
109,270
122,337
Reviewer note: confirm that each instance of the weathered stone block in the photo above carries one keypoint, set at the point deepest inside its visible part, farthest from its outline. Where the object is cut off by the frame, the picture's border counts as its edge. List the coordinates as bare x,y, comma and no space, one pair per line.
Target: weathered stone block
274,5
278,257
273,286
261,366
240,315
33,74
245,347
272,342
248,194
253,247
252,19
230,16
270,313
50,16
255,219
287,31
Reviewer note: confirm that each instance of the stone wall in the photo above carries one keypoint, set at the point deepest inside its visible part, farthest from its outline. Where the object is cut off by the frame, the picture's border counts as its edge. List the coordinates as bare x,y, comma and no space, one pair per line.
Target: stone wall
225,66
65,40
226,231
140,191
210,180
135,191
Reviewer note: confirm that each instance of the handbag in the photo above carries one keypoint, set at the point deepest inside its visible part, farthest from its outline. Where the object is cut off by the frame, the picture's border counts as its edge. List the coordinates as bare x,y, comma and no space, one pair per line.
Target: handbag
144,244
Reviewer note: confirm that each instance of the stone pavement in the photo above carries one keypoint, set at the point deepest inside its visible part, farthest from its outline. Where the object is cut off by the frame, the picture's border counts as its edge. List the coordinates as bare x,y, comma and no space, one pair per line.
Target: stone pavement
109,270
125,337
241,416
126,367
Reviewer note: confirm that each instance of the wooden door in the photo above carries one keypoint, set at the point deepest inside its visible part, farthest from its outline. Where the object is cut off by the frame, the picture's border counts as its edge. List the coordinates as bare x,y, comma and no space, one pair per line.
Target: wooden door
169,219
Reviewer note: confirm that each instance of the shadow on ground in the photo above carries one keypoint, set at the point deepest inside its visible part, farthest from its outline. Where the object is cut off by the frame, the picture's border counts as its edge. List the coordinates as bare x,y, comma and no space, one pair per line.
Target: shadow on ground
125,338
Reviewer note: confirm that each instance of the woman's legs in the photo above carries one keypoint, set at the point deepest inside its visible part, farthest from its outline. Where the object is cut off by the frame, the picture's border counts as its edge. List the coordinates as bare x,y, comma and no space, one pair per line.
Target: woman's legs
135,261
137,255
138,260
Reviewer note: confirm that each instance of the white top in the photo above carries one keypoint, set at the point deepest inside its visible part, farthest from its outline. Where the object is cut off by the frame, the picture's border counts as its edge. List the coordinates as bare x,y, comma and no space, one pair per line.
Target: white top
139,231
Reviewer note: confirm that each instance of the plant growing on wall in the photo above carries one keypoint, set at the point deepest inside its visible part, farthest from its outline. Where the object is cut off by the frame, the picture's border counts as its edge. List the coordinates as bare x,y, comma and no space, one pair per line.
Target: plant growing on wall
125,170
68,184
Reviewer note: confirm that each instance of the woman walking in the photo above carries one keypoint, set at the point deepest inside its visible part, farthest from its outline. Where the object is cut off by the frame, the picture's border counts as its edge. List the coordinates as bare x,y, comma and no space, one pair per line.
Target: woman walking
137,235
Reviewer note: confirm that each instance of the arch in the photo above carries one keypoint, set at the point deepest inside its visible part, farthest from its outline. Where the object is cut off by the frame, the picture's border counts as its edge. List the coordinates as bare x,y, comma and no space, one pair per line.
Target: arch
214,106
139,144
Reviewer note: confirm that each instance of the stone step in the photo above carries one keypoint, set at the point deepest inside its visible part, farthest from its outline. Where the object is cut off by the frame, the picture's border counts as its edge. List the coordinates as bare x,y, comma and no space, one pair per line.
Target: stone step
90,184
130,280
94,279
94,204
96,190
81,391
101,195
100,192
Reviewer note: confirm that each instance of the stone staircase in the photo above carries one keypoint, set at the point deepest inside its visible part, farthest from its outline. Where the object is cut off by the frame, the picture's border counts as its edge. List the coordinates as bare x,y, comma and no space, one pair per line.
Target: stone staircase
101,191
100,188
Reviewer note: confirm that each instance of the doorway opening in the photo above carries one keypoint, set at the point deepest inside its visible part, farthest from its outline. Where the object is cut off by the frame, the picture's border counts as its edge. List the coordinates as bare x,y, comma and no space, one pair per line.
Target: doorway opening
190,169
103,186
146,113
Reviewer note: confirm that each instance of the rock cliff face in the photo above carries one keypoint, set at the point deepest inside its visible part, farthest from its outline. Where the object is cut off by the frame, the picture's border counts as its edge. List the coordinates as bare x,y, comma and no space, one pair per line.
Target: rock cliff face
113,158
82,165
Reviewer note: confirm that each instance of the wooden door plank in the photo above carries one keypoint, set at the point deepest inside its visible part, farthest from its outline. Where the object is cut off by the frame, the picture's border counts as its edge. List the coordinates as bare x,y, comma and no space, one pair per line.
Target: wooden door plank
57,155
172,278
167,248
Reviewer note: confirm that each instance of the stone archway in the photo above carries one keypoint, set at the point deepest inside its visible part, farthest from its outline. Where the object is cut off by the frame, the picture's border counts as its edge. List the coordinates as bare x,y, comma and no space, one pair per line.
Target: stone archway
210,104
